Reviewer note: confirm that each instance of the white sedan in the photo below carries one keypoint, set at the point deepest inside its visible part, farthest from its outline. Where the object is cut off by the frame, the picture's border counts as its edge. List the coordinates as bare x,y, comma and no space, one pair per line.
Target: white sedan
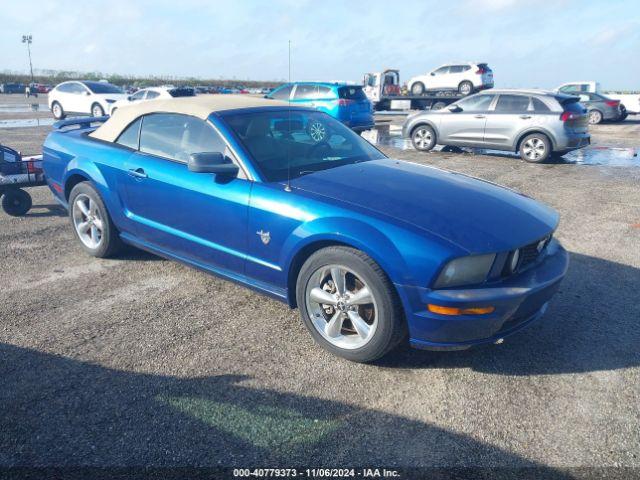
84,97
151,93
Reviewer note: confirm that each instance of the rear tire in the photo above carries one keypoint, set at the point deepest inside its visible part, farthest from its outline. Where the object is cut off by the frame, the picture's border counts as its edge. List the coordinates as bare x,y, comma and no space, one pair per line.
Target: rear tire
417,88
535,148
465,88
97,110
16,202
595,117
358,331
423,138
58,111
92,223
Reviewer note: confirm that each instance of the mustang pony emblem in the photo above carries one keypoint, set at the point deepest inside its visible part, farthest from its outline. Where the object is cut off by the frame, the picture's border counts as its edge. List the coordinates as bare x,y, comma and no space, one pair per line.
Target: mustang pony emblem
264,236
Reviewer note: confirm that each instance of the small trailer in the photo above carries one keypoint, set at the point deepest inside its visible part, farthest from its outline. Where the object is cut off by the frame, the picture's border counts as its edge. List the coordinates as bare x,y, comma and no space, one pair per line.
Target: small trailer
384,91
16,173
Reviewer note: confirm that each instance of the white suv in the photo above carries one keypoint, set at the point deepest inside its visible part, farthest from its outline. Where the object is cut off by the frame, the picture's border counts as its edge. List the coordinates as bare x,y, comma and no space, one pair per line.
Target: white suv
465,78
84,97
150,93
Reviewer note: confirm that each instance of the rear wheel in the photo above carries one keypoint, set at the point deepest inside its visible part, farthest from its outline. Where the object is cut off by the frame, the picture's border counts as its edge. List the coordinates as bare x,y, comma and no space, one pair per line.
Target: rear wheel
58,111
91,221
423,138
595,117
16,202
535,148
417,88
349,305
97,110
465,88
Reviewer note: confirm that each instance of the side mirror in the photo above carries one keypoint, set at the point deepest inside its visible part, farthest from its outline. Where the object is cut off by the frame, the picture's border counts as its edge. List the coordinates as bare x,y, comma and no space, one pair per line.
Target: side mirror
129,98
87,93
212,162
454,108
432,74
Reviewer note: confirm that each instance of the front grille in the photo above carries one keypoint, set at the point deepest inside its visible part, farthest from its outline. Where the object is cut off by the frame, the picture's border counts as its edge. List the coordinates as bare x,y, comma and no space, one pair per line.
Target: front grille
530,253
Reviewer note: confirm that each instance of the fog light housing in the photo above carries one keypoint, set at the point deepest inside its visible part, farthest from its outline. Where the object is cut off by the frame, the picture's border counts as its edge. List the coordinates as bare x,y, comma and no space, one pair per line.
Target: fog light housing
442,310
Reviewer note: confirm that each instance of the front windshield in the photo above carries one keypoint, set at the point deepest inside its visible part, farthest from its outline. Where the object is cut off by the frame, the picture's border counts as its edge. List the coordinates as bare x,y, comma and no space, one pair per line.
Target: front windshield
102,87
293,143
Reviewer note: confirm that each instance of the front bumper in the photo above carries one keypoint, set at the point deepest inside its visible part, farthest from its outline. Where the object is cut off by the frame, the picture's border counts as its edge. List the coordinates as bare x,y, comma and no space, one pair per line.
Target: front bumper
518,301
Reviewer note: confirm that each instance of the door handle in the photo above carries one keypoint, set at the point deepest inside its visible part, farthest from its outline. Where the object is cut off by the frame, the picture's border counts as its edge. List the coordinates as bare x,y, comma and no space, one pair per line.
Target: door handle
525,117
137,172
479,116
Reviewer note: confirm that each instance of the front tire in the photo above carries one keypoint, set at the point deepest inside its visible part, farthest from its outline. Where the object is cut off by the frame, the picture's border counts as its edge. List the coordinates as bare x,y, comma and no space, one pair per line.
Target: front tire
91,222
465,88
97,110
423,138
349,305
16,202
417,88
58,111
535,148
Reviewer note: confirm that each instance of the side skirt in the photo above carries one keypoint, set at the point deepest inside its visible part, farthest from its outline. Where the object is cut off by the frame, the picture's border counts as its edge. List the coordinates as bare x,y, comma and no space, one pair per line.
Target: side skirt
260,287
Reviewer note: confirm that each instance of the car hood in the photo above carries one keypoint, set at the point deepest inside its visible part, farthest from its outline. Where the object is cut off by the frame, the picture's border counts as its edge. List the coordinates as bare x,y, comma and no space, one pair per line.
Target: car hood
473,214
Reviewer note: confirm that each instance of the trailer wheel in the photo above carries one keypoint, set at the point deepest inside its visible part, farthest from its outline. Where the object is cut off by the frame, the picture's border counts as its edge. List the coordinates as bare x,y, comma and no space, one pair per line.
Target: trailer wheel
16,202
417,88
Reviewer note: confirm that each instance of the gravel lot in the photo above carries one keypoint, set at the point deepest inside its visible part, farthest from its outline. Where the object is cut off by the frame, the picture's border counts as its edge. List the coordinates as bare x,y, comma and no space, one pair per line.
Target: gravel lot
141,361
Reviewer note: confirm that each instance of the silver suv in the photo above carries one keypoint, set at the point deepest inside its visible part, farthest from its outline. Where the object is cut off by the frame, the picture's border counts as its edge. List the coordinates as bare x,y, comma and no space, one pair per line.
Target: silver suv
532,122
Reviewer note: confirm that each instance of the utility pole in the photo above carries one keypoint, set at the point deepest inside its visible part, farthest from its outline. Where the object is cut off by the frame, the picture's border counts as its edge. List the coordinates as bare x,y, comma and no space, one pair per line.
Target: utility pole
28,39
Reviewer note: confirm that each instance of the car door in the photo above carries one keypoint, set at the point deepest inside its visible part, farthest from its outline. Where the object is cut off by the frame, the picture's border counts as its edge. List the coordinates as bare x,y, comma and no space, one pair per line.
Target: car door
512,114
465,127
81,98
455,76
70,97
199,217
438,78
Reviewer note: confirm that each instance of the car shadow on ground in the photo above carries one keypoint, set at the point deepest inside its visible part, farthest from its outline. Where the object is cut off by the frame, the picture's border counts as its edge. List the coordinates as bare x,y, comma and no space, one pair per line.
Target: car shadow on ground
57,411
591,325
47,210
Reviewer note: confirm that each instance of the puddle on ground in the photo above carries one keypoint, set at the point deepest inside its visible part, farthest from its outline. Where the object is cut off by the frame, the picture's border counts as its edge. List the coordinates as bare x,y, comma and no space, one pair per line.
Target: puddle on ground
23,107
27,122
391,136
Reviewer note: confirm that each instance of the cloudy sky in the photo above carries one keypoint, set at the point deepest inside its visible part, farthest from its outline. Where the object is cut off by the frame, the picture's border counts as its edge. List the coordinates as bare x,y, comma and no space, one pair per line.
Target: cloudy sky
528,43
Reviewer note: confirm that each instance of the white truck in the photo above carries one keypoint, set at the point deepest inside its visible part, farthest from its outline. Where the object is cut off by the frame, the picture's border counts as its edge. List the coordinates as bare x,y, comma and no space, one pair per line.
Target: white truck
629,102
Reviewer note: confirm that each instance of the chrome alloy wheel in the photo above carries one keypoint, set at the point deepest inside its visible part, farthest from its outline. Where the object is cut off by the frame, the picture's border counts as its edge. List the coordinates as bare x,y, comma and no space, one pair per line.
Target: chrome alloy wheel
97,111
317,131
422,138
341,306
534,148
87,221
57,110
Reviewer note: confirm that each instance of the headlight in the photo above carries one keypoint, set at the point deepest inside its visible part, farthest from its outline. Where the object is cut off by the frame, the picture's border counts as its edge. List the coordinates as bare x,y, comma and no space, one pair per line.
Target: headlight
465,271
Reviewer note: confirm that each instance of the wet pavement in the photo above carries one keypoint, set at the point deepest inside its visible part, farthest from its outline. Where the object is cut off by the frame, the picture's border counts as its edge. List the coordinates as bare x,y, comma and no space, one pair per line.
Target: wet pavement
23,107
390,135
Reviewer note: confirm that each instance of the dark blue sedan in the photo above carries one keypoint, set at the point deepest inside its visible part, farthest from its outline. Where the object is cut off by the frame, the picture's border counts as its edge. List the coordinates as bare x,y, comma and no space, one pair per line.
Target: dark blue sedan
373,251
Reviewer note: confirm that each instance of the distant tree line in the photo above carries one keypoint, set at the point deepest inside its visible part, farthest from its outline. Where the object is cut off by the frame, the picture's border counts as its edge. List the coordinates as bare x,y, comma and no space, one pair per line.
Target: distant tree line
53,77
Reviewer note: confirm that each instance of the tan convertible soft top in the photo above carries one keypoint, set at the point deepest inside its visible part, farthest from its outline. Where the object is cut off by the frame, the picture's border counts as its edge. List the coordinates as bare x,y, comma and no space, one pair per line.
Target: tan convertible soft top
199,106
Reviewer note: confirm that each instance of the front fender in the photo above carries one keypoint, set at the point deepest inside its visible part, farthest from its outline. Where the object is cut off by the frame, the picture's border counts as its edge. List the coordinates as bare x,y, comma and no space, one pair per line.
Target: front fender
354,233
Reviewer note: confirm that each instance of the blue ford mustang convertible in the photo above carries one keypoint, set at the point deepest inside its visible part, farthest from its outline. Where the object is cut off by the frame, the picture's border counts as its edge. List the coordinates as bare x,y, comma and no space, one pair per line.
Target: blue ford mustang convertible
371,250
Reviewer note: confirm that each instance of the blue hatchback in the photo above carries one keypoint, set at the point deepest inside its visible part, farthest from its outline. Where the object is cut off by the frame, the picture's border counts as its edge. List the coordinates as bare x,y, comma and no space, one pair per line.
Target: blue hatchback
370,249
347,103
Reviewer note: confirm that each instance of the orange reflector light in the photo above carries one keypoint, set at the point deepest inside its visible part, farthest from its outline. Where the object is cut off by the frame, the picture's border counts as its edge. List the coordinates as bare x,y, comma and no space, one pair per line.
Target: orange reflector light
459,311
